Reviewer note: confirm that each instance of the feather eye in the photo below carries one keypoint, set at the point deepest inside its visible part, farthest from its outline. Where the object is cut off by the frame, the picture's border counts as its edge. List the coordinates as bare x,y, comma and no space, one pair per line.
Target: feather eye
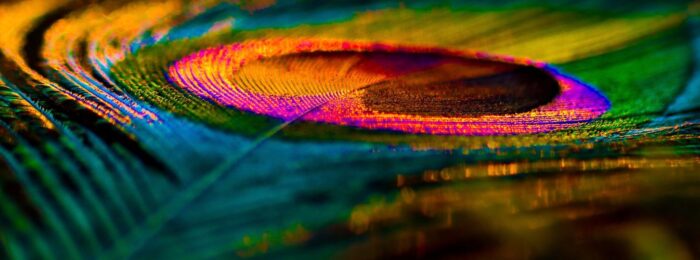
378,86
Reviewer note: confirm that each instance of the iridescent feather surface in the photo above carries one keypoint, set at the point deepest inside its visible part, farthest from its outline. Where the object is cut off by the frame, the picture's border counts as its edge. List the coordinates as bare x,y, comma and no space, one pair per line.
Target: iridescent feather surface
202,129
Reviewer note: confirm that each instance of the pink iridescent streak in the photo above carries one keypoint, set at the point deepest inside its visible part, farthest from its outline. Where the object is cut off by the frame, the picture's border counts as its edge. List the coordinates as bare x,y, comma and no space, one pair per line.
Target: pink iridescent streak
204,74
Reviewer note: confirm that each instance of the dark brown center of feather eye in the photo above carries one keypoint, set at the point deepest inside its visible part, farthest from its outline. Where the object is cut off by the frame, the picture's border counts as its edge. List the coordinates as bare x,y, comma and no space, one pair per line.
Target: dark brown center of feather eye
519,90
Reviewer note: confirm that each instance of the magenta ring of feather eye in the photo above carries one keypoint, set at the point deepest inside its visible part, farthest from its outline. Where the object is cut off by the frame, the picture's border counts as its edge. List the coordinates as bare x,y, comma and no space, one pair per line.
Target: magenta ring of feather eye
227,75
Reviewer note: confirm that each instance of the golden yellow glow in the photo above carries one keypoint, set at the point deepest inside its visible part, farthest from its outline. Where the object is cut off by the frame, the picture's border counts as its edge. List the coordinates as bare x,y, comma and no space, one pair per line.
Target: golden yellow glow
567,37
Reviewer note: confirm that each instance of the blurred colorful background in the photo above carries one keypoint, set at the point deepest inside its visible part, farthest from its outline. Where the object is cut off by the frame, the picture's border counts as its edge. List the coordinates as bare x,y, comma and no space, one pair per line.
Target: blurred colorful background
201,129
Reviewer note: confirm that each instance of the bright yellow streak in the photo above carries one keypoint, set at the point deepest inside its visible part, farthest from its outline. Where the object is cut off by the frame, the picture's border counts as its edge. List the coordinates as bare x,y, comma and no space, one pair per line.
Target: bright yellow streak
544,35
15,20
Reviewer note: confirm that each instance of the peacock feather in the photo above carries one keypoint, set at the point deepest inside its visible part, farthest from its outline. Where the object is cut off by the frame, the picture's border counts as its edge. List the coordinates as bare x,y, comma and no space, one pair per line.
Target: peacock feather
201,129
